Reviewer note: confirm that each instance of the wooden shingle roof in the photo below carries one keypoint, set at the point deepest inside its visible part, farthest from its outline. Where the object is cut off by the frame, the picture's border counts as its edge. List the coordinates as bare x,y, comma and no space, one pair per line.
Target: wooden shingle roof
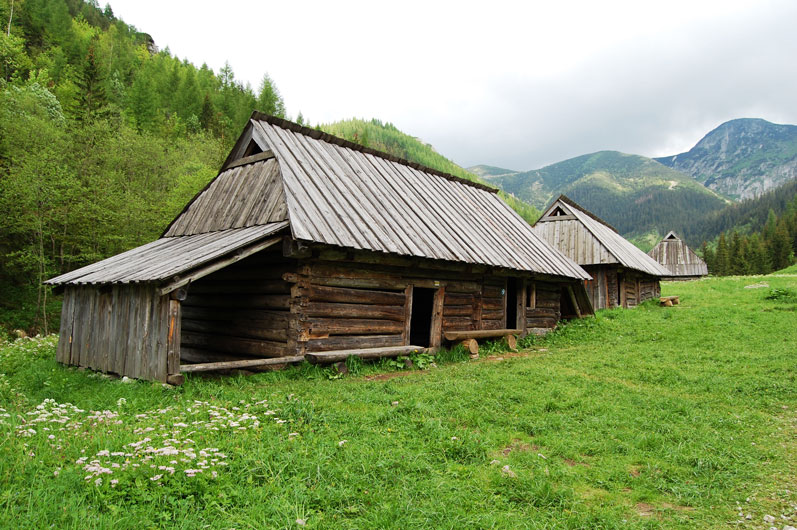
339,193
676,256
588,240
167,257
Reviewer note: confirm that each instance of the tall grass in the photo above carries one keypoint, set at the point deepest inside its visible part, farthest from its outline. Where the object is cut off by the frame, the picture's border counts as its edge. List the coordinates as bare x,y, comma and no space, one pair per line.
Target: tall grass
676,417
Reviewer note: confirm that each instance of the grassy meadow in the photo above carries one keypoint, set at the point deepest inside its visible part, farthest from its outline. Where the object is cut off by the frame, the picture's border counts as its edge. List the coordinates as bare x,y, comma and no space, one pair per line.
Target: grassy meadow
682,417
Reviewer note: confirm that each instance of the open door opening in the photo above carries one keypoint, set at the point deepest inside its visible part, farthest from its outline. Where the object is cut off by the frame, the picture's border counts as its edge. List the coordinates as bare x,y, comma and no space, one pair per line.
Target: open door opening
421,316
511,303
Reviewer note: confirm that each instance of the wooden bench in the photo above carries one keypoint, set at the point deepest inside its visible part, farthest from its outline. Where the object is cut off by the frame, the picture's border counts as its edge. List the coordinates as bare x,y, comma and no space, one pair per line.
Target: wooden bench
669,301
469,339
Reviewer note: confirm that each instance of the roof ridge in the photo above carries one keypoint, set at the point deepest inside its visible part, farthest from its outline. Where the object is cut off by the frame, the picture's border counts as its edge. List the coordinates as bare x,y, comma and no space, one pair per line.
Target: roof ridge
330,138
570,202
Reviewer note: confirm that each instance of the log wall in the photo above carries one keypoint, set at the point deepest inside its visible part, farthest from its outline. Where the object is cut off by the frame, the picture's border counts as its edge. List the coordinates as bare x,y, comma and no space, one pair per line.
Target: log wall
543,307
241,311
124,329
359,300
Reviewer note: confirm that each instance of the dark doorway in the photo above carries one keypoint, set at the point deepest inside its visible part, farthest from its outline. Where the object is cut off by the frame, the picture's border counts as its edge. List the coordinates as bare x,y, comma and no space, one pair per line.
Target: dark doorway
421,317
566,304
511,303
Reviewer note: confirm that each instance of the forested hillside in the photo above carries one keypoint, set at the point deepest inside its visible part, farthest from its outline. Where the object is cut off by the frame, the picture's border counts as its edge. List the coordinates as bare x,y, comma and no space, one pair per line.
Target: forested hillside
103,139
637,195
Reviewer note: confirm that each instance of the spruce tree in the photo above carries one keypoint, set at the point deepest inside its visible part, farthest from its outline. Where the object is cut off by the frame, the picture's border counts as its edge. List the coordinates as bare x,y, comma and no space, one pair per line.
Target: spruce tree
780,251
721,259
91,100
708,256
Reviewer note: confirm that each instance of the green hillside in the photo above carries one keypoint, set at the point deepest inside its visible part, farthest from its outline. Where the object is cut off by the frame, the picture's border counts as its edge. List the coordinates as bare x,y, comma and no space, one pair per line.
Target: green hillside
637,195
386,137
103,139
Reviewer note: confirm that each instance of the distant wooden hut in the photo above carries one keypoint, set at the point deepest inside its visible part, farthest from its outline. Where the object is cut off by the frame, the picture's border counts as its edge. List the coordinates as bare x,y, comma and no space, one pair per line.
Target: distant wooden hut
680,260
622,275
306,246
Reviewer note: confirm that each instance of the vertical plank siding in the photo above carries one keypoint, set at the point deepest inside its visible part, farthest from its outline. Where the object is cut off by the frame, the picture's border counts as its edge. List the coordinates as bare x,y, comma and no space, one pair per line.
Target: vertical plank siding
119,330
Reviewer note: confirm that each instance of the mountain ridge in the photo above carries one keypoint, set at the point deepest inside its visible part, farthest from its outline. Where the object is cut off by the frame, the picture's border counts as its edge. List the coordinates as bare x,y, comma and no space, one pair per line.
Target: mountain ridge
741,158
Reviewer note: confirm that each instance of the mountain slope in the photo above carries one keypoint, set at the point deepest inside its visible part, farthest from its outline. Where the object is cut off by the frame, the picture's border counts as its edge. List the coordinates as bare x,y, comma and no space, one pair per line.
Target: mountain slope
634,193
386,137
741,158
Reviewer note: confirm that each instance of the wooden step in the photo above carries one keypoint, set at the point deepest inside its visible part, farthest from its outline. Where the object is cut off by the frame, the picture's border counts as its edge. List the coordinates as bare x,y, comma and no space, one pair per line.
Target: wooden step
363,353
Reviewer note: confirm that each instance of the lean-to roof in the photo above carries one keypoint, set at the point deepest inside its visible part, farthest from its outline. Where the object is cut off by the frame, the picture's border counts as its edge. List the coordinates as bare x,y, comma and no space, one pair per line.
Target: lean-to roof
168,257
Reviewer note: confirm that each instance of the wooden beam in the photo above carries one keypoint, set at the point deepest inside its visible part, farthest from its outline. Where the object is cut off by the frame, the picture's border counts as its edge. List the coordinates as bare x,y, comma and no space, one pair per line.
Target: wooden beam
435,338
405,334
179,281
573,300
455,336
364,353
265,155
246,363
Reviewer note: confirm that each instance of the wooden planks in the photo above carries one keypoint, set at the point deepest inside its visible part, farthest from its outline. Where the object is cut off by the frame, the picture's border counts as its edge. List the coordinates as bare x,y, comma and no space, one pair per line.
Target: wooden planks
120,330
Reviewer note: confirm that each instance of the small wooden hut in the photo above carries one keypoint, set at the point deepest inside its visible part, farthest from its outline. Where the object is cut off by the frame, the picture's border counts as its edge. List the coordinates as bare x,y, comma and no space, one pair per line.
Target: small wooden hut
676,256
622,275
306,246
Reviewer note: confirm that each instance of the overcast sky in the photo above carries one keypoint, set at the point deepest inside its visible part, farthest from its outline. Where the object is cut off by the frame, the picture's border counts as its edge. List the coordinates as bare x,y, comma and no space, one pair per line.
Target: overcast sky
500,83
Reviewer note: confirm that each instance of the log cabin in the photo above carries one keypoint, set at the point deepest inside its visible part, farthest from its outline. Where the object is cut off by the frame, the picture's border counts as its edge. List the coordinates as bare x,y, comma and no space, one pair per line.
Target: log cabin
681,261
308,246
622,275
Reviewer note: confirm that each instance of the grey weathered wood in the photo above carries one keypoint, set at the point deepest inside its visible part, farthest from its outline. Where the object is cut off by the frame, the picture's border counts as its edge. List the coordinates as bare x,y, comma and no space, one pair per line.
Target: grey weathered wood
247,363
365,353
265,155
181,280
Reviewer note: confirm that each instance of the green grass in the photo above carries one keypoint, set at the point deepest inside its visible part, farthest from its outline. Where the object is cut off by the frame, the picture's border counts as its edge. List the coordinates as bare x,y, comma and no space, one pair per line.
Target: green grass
656,417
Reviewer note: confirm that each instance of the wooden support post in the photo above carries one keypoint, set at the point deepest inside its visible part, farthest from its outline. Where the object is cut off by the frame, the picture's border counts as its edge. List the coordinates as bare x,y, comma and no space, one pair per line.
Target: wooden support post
436,334
511,341
405,335
573,300
173,338
521,309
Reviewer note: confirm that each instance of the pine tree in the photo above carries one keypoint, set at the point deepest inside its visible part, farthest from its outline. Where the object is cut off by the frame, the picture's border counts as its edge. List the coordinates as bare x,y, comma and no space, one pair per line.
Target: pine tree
721,259
207,116
735,258
91,100
269,99
708,256
780,251
759,260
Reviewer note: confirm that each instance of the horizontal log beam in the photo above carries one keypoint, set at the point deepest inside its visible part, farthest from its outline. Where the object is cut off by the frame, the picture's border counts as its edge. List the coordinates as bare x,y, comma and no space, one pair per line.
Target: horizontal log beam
339,310
365,353
454,336
248,363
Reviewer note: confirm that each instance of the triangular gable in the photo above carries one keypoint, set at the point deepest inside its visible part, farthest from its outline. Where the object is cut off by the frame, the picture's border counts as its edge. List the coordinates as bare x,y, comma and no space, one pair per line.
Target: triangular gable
248,193
558,211
671,236
588,240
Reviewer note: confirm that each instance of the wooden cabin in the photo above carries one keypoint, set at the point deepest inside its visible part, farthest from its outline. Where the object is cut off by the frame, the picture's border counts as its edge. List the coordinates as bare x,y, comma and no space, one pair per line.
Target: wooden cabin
622,275
307,246
680,260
